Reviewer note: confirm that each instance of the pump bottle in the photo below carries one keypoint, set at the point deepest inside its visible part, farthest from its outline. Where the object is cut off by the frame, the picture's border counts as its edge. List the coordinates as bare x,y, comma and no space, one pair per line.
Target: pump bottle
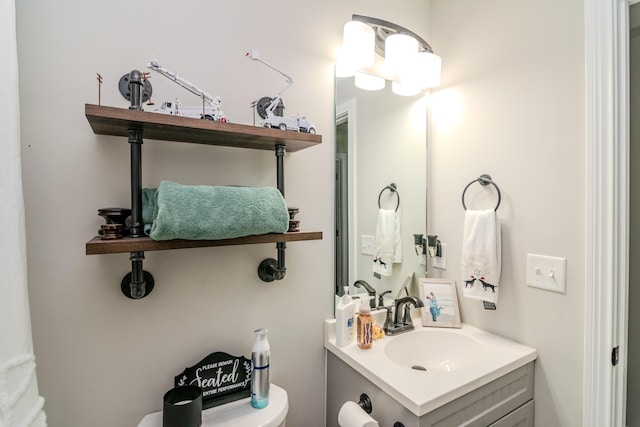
365,326
260,359
345,319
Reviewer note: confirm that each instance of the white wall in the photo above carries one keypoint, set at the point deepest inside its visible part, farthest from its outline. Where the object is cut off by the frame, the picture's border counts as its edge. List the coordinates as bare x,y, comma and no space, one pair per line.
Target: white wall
104,360
516,70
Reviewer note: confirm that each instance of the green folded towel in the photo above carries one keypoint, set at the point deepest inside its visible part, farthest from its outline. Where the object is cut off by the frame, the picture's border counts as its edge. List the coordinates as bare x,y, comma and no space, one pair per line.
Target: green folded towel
149,200
214,212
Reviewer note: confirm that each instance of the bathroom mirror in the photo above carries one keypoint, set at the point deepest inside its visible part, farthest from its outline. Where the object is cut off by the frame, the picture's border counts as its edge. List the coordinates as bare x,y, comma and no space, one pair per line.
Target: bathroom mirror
381,138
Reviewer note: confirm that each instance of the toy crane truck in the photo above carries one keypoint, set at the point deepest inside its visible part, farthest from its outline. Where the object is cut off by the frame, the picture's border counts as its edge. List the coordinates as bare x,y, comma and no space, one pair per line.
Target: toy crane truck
271,109
210,109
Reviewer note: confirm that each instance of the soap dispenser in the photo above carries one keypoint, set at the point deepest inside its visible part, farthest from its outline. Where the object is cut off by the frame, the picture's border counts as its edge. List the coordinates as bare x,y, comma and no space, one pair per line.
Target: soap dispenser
365,326
345,319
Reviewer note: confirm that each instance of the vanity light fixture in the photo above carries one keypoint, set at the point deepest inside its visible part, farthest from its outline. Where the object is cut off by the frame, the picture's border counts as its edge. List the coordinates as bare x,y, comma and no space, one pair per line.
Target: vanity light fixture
409,61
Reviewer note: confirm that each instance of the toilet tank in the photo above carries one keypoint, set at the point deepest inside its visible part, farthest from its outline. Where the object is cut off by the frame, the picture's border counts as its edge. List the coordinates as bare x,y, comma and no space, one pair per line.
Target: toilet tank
239,413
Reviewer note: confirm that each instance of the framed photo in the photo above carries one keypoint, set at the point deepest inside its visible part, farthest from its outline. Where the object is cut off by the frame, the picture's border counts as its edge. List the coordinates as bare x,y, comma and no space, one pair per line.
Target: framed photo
440,300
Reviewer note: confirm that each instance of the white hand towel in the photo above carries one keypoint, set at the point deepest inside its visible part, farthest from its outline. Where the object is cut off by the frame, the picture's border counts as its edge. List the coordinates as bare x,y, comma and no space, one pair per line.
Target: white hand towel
397,252
386,241
481,255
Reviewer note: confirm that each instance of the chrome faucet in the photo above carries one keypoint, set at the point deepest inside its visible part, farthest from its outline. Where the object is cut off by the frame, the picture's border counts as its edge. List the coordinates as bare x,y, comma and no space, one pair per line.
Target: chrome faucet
370,291
395,324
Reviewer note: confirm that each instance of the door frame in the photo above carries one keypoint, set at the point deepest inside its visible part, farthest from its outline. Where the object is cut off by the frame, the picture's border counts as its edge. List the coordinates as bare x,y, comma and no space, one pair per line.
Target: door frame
607,184
347,111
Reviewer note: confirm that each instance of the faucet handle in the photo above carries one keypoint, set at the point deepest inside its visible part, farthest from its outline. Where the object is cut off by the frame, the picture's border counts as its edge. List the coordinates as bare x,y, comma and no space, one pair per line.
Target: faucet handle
406,315
381,298
388,321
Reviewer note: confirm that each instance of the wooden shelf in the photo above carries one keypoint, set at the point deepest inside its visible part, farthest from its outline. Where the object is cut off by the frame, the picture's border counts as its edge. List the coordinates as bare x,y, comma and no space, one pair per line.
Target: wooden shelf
96,246
120,121
117,122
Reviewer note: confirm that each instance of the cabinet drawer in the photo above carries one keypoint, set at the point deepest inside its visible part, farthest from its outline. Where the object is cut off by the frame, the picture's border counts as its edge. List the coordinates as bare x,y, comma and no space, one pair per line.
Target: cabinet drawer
521,417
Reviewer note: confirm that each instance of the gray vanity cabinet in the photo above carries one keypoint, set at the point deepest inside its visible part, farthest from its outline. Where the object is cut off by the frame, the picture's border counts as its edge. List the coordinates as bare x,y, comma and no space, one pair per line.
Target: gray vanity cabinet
504,402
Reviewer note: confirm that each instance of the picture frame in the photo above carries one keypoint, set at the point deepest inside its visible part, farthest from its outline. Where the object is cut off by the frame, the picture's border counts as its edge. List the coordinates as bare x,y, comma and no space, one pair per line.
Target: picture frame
440,299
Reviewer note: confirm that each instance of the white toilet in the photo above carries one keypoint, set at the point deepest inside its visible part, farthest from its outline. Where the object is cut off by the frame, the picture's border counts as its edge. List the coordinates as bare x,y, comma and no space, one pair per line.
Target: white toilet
239,413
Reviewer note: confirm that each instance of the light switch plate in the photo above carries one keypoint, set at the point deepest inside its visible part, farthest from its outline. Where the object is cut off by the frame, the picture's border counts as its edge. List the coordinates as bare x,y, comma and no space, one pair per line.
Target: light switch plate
366,244
441,261
547,272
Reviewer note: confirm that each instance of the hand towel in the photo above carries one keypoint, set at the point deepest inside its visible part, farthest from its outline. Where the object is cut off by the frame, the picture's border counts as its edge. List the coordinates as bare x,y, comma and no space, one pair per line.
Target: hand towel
388,244
481,255
217,212
149,199
397,251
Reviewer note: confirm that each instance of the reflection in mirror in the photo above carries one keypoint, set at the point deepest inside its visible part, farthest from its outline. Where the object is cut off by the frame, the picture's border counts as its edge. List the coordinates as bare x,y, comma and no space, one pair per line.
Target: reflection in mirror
381,138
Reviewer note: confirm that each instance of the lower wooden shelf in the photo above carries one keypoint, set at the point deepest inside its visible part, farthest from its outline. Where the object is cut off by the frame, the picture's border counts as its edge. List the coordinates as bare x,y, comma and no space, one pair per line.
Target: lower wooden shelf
96,246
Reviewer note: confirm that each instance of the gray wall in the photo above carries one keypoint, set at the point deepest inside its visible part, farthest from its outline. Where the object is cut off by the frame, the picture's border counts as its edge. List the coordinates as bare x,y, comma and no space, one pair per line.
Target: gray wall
104,360
514,73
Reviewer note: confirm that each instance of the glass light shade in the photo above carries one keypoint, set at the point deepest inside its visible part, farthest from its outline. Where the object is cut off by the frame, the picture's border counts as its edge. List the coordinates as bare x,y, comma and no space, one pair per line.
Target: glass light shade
426,70
399,49
404,89
368,82
358,42
343,70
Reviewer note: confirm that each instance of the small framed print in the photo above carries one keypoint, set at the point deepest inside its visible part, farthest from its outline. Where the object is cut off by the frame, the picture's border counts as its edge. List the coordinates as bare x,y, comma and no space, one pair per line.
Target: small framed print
440,301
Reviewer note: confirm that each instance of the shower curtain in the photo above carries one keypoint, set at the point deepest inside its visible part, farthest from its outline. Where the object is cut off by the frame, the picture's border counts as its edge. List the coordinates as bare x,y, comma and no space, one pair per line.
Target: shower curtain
20,403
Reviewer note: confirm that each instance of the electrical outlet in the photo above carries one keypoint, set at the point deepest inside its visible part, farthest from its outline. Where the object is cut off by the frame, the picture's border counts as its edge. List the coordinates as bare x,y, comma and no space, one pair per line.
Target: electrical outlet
547,272
441,261
366,245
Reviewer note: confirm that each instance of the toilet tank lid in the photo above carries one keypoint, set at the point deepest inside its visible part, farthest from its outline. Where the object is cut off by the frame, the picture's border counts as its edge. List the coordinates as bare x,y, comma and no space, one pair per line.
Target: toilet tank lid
238,413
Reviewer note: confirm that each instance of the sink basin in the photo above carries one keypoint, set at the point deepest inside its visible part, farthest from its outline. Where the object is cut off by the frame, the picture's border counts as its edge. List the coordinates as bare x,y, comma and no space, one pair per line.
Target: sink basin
408,365
435,349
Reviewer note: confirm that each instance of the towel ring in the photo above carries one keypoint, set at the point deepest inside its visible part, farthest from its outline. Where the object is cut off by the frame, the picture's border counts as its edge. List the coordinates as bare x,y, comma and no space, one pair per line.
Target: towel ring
484,180
394,189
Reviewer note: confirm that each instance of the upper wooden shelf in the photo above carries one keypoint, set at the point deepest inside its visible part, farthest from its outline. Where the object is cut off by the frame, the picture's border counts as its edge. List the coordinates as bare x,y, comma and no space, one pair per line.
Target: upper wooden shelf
96,246
117,122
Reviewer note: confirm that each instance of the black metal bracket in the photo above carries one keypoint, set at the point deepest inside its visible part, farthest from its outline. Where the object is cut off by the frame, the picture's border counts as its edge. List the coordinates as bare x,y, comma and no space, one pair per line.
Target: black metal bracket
139,283
271,269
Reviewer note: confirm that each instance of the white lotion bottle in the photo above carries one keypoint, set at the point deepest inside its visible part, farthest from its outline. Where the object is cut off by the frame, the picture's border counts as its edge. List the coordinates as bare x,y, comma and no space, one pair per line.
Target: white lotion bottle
345,320
260,360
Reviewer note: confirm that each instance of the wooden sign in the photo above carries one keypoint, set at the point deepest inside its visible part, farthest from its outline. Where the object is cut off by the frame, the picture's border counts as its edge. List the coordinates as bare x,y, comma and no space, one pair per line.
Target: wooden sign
222,377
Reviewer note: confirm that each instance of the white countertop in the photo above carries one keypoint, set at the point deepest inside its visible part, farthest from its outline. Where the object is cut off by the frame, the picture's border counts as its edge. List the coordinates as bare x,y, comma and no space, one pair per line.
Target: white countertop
420,391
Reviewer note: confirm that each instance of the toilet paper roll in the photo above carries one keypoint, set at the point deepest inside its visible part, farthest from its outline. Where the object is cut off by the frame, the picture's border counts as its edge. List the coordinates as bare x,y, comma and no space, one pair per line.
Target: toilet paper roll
352,415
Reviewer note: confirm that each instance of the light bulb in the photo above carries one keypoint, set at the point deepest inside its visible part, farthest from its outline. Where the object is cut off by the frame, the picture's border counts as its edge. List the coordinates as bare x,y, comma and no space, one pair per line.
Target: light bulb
358,41
424,70
404,89
399,50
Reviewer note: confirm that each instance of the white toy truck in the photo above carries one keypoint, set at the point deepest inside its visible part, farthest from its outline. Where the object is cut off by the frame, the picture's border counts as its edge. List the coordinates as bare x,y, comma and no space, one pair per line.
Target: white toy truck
271,109
176,109
210,109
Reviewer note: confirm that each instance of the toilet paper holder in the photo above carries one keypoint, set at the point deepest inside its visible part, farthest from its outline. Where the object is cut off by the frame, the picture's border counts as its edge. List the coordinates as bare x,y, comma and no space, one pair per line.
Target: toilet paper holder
365,403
